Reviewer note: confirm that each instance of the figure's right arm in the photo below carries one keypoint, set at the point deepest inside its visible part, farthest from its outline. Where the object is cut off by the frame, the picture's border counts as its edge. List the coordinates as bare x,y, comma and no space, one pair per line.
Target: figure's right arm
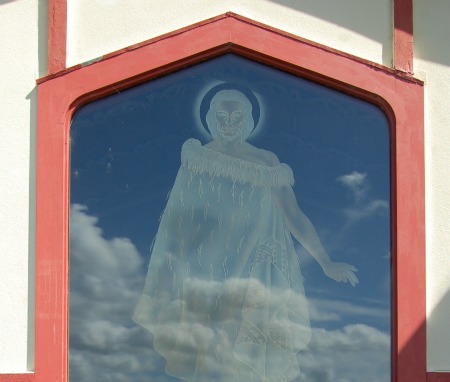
303,230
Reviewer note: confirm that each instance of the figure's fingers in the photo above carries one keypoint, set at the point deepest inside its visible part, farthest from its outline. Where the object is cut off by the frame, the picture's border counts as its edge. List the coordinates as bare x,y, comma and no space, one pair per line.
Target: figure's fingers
353,279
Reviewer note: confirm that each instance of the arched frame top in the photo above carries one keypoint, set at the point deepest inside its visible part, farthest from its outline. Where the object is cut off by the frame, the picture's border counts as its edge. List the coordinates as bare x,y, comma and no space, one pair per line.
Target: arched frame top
400,97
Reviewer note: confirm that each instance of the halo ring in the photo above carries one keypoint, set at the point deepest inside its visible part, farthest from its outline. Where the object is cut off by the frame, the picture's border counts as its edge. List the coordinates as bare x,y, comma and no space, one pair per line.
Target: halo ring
206,101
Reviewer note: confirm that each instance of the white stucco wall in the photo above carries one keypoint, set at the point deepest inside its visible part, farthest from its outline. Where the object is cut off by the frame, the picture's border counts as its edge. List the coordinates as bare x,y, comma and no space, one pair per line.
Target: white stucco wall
359,27
97,27
20,40
431,29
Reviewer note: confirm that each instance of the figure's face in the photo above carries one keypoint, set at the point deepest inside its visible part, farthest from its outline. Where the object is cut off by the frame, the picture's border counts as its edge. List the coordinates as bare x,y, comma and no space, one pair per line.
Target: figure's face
230,119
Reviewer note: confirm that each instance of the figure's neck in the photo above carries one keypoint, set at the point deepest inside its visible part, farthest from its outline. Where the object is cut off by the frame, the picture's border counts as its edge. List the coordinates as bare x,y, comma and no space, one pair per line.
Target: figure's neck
230,147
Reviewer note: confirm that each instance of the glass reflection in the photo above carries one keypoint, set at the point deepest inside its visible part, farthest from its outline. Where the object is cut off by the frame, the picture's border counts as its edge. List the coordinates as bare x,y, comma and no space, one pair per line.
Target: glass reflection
224,296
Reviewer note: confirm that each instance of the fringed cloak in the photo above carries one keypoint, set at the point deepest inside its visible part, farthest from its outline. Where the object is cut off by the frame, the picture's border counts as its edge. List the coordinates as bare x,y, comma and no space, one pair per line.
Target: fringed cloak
224,294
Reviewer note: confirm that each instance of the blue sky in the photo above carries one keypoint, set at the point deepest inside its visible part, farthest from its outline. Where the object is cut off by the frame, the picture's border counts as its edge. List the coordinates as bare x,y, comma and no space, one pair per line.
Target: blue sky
125,153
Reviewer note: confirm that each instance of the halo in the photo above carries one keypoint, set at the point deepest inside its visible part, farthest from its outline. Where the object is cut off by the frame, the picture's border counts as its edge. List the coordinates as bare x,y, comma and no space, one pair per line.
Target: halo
206,101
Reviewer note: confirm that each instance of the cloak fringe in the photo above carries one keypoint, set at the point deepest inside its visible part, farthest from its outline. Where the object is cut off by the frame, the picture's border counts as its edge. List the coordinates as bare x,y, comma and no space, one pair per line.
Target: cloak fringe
200,160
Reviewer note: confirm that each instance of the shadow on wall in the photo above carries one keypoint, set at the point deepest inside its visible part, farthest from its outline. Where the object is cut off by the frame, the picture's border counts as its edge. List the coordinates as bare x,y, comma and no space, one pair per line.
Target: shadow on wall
32,98
431,31
439,356
42,37
342,13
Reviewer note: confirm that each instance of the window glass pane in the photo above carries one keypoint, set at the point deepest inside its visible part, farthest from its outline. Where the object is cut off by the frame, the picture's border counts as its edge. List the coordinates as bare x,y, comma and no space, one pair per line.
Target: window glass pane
196,257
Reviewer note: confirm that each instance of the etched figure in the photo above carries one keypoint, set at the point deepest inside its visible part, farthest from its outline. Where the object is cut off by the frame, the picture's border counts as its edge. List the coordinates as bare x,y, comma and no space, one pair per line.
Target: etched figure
224,295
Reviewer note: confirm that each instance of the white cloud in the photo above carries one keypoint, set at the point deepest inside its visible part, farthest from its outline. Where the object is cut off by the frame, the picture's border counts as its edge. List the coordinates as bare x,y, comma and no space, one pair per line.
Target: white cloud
321,315
323,310
105,345
106,281
362,206
371,208
356,182
353,353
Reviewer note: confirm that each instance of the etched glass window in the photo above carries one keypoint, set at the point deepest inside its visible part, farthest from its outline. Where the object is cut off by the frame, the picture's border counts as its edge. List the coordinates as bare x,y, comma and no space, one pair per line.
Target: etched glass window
230,222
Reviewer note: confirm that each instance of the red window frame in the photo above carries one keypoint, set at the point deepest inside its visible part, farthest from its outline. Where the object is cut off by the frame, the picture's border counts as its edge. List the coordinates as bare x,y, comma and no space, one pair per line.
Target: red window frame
398,95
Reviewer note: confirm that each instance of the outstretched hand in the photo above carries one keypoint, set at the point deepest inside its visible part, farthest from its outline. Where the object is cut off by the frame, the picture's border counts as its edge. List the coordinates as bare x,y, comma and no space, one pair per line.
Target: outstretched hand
341,272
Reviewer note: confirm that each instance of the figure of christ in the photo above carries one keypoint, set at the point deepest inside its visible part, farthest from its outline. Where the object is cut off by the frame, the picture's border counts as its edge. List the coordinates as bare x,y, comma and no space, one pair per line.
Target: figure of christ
224,296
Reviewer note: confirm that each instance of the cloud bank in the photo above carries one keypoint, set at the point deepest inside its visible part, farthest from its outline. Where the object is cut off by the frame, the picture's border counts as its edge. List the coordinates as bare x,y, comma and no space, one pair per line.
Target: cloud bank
107,276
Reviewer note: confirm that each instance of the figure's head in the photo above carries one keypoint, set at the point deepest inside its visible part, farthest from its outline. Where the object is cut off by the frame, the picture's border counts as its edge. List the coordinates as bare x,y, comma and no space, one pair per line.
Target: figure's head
230,116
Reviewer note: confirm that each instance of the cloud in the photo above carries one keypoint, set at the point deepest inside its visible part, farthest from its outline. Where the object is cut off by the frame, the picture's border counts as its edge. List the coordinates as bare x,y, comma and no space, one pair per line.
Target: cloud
105,284
323,310
220,321
356,182
320,315
371,208
105,345
351,354
363,206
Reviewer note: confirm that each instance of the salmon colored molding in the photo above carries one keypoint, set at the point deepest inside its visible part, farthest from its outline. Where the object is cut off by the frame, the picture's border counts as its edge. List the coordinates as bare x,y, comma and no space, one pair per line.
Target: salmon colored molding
29,377
57,35
438,377
403,36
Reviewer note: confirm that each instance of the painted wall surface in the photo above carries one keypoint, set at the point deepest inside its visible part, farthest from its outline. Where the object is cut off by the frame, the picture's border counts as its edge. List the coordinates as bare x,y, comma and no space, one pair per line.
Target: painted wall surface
431,31
359,27
20,39
96,27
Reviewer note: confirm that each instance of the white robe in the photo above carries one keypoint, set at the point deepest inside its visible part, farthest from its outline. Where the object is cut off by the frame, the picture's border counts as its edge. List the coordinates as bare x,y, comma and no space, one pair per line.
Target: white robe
224,294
